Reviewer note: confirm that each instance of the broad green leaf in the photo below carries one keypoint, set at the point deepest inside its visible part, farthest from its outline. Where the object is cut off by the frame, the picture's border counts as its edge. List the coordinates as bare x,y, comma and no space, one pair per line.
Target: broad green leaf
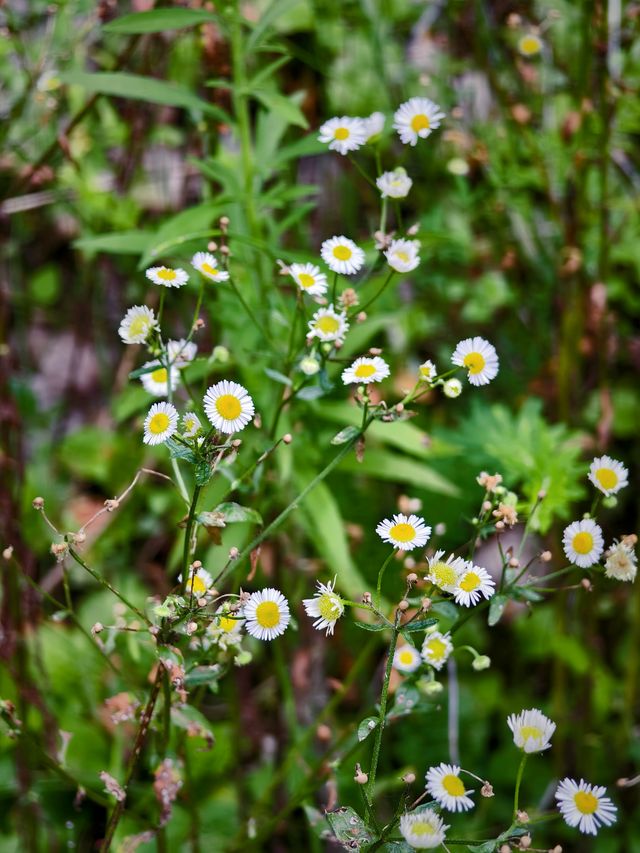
370,626
158,21
203,473
419,625
233,512
384,465
525,593
496,608
179,451
366,726
345,435
445,608
203,675
267,20
348,826
124,243
283,106
186,225
278,377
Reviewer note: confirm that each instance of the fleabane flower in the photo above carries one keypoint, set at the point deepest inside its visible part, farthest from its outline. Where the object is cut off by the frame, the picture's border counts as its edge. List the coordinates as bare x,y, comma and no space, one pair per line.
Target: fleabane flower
583,542
416,119
452,388
529,45
373,125
394,184
191,425
532,731
479,358
267,614
342,255
343,134
621,562
327,324
160,424
424,830
436,649
226,628
445,573
406,658
198,583
207,265
167,277
157,381
228,406
325,607
608,475
365,370
309,278
472,585
584,805
181,352
447,788
402,255
137,324
427,371
404,532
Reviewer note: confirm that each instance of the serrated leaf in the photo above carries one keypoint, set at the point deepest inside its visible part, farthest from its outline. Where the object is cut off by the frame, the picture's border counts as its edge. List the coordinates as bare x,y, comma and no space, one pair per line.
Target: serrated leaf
179,451
366,726
496,609
348,826
419,625
158,21
233,512
278,377
345,435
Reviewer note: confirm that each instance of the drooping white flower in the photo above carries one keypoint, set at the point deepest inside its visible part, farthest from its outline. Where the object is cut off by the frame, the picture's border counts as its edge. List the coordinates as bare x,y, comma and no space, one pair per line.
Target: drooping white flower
622,562
416,119
342,255
447,788
228,406
309,278
191,425
585,806
181,352
207,265
394,184
427,371
343,134
608,475
267,614
424,830
532,731
436,649
402,255
325,607
327,324
406,658
365,370
167,277
160,424
404,532
137,324
472,585
373,125
226,627
157,381
583,542
479,358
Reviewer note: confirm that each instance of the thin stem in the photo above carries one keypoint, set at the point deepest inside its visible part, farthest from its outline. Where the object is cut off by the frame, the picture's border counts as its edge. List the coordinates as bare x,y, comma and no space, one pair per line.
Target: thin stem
105,583
516,795
379,292
380,576
383,707
186,551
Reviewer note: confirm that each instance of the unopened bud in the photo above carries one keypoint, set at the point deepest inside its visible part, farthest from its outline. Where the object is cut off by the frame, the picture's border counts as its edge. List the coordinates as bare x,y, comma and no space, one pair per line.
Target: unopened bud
97,628
585,583
366,598
38,503
487,790
225,250
523,817
412,577
403,605
514,563
323,733
542,495
525,842
556,849
426,603
59,550
197,564
234,553
8,552
409,778
78,537
413,229
224,222
400,408
499,525
361,316
360,777
486,505
546,556
212,246
287,438
375,351
481,662
191,628
199,324
505,849
432,688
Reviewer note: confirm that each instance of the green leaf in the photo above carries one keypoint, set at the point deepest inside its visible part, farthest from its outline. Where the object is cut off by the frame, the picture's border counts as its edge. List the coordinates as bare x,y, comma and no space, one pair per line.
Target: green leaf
369,626
190,224
496,608
202,473
486,847
345,435
158,21
366,726
142,371
525,593
285,107
278,377
348,826
445,608
179,451
419,625
267,20
203,675
123,243
233,512
384,465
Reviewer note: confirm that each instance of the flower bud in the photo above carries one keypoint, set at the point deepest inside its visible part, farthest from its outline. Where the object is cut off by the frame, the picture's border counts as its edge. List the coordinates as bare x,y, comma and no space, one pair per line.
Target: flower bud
38,503
481,662
546,556
403,605
487,790
287,438
8,552
412,578
409,778
323,733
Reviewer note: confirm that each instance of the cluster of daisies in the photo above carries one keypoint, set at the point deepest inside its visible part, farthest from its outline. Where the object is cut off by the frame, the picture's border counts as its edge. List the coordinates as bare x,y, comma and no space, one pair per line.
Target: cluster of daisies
581,804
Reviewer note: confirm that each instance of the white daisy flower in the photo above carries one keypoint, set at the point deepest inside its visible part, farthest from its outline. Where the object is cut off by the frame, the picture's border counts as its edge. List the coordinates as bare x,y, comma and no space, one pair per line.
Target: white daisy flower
406,658
342,255
373,126
427,371
206,264
228,406
530,45
309,278
583,542
452,388
478,357
436,649
447,788
584,805
424,830
181,352
198,583
137,324
365,370
160,424
532,731
328,324
267,614
394,184
404,532
446,573
608,475
191,425
343,134
474,583
416,118
325,607
226,628
402,255
621,562
157,381
167,277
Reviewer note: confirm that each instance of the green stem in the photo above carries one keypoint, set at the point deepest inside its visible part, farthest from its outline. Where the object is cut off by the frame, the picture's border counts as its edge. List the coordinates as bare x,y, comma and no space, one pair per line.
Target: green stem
379,292
377,744
186,551
516,795
105,583
380,576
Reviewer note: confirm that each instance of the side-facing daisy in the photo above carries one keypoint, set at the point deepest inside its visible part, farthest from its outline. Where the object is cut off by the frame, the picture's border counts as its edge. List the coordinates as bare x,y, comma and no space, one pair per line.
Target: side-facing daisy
608,475
160,424
530,45
167,277
207,265
198,583
452,388
402,255
404,532
137,324
228,406
157,381
424,830
226,628
342,255
479,358
181,352
309,278
622,562
445,573
365,370
584,805
327,324
406,658
436,649
191,425
394,184
427,371
343,134
416,118
583,542
532,731
267,614
325,607
473,584
373,125
447,788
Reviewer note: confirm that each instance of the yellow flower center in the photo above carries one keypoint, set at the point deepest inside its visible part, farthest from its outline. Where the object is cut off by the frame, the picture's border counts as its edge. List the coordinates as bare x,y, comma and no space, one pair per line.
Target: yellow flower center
209,269
328,324
159,423
228,407
139,325
341,133
267,614
403,256
363,371
607,478
529,45
329,608
422,828
532,732
342,253
166,274
196,584
189,424
306,280
402,532
453,785
227,624
159,375
470,582
426,371
583,542
474,362
420,122
585,802
444,574
436,648
406,657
